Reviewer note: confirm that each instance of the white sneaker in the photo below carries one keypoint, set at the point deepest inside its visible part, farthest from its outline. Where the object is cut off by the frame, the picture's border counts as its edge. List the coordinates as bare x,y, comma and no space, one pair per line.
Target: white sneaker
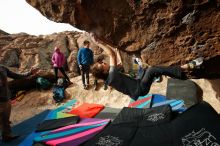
158,79
196,62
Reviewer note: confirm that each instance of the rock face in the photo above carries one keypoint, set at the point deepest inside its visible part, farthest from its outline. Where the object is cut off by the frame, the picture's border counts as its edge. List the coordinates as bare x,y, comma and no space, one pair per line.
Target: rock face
164,32
24,51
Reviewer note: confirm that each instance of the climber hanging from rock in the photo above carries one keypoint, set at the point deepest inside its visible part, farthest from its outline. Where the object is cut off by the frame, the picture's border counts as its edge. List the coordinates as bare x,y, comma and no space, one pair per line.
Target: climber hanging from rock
136,87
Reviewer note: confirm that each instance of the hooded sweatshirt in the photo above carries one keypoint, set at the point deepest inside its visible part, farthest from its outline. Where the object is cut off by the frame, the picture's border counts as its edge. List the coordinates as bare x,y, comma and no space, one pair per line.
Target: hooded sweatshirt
58,58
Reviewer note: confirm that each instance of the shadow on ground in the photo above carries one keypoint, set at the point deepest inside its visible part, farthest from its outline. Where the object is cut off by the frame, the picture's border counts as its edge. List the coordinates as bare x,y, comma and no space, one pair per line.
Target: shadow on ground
216,87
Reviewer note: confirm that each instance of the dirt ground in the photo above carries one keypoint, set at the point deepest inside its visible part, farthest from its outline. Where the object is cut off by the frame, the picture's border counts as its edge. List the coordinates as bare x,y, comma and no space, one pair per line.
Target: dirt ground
36,101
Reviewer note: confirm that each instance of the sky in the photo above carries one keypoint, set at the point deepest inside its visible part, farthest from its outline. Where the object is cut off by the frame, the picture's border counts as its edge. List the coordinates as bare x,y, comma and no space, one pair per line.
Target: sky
18,16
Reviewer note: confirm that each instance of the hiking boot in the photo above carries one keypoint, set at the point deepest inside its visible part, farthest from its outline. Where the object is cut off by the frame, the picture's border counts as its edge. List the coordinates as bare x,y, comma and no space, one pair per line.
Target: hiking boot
86,87
105,87
9,138
95,87
196,63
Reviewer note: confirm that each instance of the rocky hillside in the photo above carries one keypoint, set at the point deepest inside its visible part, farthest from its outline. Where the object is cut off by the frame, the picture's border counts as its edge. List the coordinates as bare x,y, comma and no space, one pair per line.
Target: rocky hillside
24,51
162,31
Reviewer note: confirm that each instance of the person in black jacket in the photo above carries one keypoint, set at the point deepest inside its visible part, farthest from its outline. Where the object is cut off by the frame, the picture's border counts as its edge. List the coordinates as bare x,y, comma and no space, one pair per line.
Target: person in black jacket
5,103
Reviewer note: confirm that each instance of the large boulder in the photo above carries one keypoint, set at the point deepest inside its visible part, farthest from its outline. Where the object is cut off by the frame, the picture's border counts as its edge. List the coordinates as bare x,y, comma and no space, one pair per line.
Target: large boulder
24,51
164,32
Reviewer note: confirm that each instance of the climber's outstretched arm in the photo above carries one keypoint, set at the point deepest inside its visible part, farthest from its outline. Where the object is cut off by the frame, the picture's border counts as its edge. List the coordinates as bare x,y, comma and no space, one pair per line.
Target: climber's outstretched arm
108,50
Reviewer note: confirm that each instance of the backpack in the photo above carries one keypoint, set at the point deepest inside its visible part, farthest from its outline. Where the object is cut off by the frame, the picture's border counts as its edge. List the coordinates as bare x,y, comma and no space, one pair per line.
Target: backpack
58,93
43,83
